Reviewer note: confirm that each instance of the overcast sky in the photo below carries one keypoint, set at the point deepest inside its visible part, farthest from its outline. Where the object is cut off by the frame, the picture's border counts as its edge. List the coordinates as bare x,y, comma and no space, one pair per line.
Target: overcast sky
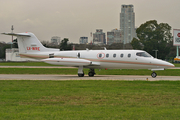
76,18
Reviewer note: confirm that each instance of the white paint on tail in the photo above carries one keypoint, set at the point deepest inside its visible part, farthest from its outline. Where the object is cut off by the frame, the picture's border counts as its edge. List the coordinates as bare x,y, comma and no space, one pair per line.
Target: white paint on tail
28,43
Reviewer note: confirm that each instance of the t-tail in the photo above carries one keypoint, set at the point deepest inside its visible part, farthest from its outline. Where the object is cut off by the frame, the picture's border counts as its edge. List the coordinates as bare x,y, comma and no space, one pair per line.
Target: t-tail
30,46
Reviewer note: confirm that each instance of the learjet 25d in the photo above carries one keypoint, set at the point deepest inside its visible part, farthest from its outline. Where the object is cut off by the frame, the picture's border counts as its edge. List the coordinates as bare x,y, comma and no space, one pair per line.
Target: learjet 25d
31,47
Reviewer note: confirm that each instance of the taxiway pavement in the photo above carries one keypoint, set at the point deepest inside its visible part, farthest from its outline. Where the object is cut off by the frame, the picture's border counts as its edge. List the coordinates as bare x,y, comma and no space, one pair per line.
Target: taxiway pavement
75,77
96,77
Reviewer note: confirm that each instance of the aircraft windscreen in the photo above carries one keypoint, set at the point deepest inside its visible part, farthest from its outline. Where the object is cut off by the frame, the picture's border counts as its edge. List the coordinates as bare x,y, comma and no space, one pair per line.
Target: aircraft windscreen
143,54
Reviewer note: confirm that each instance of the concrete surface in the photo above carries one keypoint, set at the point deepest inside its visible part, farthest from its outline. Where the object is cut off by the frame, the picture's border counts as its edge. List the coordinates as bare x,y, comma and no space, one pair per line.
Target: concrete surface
75,77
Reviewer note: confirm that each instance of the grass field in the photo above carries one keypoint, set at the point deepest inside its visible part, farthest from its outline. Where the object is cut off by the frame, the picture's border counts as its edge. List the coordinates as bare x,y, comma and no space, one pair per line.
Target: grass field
73,71
177,65
85,100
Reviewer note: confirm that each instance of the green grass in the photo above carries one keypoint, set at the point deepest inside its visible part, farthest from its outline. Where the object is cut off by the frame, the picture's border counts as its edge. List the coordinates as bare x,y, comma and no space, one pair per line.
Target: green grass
85,100
177,65
72,71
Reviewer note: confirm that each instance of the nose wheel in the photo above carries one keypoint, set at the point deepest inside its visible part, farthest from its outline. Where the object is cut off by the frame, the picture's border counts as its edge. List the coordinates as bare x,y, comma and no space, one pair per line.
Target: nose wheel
153,74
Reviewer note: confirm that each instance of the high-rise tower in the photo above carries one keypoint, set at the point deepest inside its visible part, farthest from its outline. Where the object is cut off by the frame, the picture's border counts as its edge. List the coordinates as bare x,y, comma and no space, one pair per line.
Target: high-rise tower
127,23
99,37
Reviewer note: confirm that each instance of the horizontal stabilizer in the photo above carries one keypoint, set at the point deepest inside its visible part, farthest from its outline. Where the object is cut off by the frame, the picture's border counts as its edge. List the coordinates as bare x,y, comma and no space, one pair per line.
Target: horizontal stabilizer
67,61
18,34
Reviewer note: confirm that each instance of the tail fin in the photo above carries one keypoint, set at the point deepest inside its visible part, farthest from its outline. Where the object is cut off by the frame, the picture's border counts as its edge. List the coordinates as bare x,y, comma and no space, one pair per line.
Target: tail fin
28,43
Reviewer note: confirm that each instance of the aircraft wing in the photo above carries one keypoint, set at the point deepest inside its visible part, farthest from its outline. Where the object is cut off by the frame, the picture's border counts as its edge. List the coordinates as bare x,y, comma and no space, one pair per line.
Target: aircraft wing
69,61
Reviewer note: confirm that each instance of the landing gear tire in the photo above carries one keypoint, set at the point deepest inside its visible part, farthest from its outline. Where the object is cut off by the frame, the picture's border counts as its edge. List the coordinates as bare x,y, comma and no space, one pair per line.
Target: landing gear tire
91,73
80,71
81,75
153,74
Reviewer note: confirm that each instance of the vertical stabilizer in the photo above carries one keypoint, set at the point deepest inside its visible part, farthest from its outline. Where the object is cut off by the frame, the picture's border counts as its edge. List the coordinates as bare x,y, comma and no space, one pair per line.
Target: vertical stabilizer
28,43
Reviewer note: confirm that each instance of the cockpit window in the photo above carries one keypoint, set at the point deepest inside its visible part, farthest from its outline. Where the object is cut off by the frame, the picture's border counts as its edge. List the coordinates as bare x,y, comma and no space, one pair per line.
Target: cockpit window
143,54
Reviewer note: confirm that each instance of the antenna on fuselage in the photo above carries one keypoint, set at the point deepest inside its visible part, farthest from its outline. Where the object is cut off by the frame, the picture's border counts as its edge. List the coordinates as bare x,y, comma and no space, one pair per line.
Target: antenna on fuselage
104,48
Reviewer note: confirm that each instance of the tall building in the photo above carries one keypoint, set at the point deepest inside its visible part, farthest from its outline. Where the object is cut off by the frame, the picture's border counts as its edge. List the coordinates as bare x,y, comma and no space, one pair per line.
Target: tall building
83,40
55,40
114,36
99,37
127,23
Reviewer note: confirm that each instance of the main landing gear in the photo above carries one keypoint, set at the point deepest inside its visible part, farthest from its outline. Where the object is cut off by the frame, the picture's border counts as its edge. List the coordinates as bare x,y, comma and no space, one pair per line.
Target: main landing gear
91,73
153,74
81,73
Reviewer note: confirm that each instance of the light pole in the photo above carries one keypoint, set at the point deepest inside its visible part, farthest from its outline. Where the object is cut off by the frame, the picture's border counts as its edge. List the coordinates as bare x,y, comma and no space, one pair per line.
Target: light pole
12,28
155,53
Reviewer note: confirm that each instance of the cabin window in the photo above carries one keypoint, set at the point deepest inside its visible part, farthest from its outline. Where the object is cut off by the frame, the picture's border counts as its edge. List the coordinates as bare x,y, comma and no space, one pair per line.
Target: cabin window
129,55
107,55
121,55
114,55
100,55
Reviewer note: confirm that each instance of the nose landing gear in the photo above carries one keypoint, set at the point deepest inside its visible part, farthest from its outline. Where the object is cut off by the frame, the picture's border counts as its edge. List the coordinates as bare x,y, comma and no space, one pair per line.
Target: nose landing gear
153,74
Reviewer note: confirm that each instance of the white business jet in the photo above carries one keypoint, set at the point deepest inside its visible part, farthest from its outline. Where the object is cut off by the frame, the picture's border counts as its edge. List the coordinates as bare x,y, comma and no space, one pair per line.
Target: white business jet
31,47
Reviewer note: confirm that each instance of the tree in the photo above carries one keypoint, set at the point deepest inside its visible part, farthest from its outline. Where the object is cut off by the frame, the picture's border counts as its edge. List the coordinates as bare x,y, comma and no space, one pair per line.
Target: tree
136,44
45,43
3,48
64,44
15,44
154,36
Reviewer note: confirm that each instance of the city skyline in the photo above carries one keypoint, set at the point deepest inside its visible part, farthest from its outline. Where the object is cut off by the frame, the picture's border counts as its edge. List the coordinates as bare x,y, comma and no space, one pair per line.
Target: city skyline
73,19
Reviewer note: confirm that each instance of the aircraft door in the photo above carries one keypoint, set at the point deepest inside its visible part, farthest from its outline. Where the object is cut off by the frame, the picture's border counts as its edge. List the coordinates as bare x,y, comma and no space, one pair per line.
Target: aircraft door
78,55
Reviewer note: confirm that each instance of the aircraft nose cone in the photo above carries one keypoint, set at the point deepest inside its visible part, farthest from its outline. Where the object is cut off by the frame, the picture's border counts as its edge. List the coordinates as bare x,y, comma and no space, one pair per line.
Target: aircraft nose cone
163,64
169,64
172,65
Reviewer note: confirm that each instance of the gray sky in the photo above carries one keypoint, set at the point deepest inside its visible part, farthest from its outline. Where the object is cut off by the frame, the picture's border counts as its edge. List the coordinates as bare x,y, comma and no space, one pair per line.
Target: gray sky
76,18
